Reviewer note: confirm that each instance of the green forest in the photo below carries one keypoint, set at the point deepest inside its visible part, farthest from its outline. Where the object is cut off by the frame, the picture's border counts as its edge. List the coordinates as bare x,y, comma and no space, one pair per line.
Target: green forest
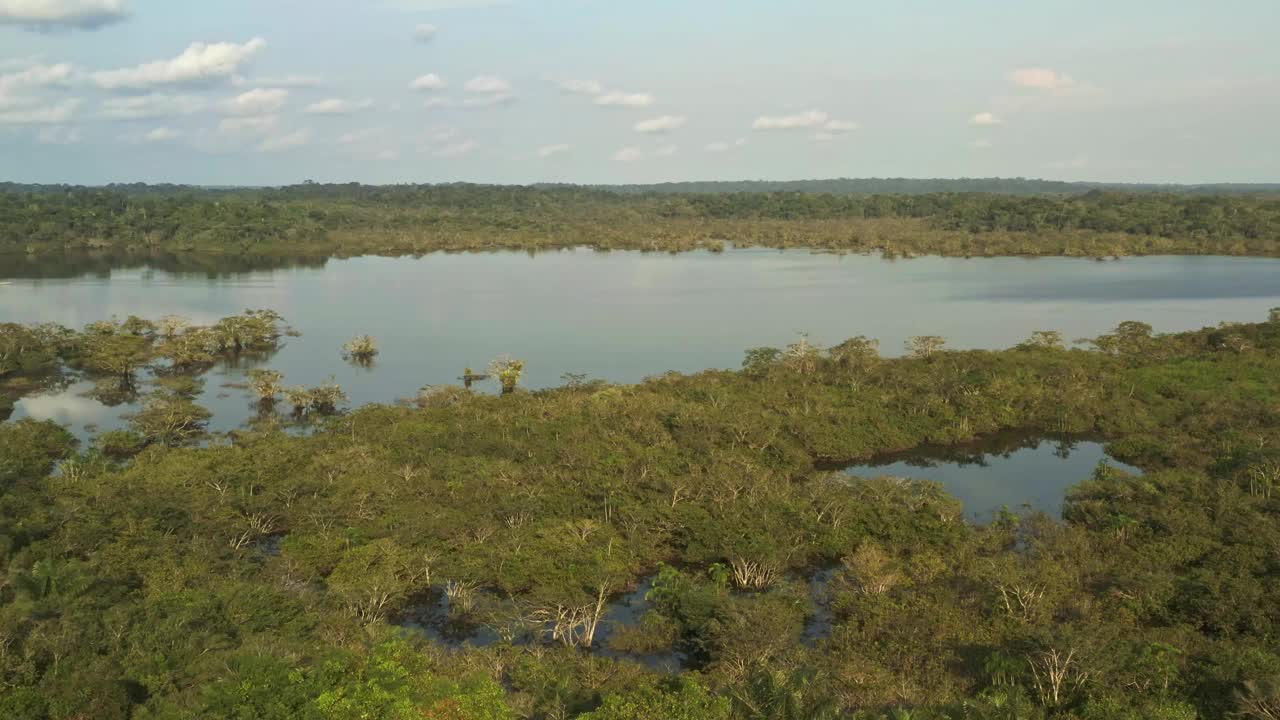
341,220
457,555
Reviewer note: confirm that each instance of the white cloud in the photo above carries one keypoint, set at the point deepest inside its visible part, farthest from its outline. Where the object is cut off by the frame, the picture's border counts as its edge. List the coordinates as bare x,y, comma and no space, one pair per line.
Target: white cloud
284,81
548,150
36,75
430,81
720,146
580,87
628,154
981,143
200,63
360,136
260,101
665,123
58,135
616,98
834,130
456,149
487,85
155,105
248,125
986,119
1041,79
58,14
161,134
667,151
425,32
801,121
54,114
337,106
479,101
279,143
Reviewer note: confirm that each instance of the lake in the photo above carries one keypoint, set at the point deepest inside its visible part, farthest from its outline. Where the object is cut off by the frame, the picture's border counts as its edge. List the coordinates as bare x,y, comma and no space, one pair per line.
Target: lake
619,316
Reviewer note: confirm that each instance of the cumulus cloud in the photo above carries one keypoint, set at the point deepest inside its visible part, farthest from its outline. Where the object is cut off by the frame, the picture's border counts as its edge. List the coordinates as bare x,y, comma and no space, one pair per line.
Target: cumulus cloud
58,135
834,130
161,134
986,119
36,114
284,81
429,82
155,105
48,15
472,103
628,154
337,106
547,151
425,32
721,146
1041,79
802,121
487,85
279,143
248,125
200,64
581,87
260,101
36,75
665,123
617,98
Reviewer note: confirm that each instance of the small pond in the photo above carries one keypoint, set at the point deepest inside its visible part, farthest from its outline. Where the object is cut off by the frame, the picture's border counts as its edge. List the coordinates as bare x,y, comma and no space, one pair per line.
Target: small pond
1013,471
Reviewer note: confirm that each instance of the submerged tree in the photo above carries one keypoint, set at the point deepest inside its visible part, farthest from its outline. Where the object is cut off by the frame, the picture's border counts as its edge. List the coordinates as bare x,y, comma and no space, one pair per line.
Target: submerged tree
360,349
266,384
508,370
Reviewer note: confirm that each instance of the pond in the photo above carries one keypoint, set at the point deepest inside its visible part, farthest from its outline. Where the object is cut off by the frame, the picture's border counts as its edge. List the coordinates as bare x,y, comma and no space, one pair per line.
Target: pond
618,316
1012,471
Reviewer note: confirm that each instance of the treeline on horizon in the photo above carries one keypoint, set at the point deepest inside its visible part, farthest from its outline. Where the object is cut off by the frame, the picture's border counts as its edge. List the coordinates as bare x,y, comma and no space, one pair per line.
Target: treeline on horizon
860,186
355,219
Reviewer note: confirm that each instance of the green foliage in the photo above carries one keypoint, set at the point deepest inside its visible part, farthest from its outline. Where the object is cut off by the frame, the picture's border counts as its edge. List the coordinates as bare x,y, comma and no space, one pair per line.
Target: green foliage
685,700
262,577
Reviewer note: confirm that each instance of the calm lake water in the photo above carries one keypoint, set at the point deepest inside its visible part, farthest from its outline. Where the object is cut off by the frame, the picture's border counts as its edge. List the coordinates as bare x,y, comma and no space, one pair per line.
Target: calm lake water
1015,472
620,316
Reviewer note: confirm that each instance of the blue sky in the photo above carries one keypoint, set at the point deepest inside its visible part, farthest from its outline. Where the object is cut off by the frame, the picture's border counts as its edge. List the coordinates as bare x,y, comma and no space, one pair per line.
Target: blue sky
515,91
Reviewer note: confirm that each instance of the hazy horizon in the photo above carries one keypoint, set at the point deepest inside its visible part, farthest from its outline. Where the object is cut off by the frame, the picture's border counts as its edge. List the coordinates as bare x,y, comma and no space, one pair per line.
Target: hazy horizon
576,91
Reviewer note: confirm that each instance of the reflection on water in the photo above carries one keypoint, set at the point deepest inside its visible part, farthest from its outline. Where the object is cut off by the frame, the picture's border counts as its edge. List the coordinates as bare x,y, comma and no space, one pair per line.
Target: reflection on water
1002,471
619,316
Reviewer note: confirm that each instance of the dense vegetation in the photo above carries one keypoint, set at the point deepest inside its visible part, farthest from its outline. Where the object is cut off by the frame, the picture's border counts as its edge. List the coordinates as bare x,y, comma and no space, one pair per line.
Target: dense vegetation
350,219
268,575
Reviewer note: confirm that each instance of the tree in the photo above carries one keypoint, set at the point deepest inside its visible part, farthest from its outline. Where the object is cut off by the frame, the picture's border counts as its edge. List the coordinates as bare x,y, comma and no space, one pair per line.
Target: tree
678,700
373,579
117,354
924,346
508,370
169,419
360,349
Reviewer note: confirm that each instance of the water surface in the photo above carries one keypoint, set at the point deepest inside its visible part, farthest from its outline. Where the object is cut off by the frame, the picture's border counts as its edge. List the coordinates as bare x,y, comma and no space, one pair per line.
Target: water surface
1002,471
619,316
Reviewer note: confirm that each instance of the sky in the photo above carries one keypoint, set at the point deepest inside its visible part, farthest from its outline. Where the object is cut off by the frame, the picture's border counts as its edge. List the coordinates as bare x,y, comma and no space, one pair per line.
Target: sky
258,92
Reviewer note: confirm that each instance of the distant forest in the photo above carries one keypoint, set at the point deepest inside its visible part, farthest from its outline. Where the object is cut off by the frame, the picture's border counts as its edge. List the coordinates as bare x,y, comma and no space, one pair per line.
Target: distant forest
838,186
349,219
